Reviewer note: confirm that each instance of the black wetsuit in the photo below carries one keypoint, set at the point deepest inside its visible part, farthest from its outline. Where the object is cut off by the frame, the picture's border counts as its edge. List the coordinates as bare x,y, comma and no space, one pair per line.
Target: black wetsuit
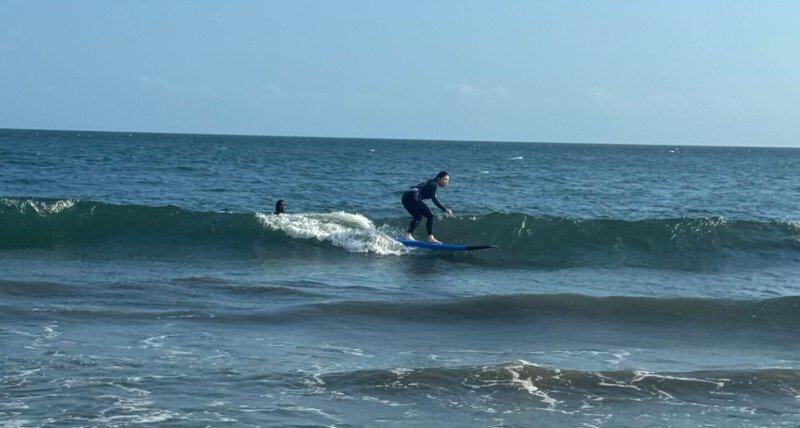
412,201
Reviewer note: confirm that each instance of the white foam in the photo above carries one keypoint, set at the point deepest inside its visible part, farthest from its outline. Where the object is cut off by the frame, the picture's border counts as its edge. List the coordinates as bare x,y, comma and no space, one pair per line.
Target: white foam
19,423
25,373
528,385
49,335
15,404
435,357
50,332
639,376
378,400
345,350
401,372
353,232
39,207
314,411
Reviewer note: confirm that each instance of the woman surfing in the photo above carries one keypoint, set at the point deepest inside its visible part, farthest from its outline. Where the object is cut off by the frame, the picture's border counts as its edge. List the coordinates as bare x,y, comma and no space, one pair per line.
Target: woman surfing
413,203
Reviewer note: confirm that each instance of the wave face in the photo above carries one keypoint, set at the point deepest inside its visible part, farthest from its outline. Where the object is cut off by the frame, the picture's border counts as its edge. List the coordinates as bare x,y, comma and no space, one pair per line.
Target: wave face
781,313
49,223
523,240
522,390
682,243
556,386
43,223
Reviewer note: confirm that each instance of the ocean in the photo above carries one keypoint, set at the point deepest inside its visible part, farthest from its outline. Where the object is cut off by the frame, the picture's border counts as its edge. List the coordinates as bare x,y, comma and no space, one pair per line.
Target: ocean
145,280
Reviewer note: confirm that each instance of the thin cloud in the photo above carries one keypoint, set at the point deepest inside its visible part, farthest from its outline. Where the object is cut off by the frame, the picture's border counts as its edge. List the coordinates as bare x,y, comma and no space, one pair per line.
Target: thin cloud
148,81
8,46
671,102
271,89
51,90
604,97
470,91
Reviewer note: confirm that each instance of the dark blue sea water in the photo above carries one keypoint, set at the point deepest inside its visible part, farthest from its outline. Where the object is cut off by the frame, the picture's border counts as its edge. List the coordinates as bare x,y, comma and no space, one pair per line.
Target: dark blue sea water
144,280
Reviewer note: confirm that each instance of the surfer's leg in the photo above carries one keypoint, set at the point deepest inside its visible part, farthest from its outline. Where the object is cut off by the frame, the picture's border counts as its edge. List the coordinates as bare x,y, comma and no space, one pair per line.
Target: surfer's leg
426,212
412,205
414,222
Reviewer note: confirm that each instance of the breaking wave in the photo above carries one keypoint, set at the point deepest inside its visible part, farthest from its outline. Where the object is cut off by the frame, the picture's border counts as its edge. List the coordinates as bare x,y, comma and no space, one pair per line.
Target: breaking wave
523,240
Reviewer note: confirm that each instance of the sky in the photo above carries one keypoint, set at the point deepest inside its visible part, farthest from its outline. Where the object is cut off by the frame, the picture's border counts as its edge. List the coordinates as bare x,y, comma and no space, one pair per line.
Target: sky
632,72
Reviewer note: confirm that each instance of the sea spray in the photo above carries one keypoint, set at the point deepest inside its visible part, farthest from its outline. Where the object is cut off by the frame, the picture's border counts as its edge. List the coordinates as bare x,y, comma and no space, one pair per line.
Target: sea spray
353,232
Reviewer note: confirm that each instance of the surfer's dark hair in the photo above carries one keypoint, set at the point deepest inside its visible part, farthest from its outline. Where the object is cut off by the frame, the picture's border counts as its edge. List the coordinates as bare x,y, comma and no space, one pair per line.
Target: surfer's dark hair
280,206
441,174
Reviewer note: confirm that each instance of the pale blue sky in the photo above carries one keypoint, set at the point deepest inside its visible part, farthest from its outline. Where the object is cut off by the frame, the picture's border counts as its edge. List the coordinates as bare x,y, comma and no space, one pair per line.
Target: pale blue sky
650,72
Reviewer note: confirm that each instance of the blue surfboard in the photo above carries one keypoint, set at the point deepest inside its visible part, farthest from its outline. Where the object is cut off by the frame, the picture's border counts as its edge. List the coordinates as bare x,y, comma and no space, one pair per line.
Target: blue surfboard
447,247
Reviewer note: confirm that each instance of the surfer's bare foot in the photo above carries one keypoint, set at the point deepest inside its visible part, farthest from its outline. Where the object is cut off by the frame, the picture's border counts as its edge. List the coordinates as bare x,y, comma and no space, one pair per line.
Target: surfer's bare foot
433,240
409,236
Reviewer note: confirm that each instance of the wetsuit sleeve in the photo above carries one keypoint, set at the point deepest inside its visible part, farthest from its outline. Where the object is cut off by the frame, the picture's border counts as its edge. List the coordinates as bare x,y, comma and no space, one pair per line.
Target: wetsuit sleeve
434,187
437,203
429,191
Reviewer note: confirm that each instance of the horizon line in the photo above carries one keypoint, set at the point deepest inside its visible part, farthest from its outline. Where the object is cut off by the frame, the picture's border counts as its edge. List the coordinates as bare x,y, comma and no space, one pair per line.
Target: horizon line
447,140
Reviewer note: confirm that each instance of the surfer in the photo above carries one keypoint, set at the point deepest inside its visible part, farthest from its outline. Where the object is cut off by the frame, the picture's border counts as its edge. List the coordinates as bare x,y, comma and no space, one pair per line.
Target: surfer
280,207
413,203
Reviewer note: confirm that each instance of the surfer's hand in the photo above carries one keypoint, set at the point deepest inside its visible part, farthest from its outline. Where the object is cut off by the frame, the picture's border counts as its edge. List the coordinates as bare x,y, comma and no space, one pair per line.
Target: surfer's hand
448,212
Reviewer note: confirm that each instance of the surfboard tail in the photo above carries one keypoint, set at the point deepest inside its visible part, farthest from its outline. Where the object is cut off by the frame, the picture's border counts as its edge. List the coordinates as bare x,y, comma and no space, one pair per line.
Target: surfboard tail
479,247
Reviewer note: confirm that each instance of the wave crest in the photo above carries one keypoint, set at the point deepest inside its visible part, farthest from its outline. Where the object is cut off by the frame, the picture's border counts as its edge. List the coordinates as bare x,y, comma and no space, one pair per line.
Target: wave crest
524,241
556,387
